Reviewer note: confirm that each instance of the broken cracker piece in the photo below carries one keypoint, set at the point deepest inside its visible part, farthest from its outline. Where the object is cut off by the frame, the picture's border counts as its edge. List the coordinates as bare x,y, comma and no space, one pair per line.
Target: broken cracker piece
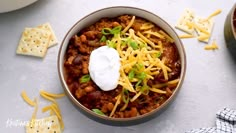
187,16
205,26
34,42
44,125
48,28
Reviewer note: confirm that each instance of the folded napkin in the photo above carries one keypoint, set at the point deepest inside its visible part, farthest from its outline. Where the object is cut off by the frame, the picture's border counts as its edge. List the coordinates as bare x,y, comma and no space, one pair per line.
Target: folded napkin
225,123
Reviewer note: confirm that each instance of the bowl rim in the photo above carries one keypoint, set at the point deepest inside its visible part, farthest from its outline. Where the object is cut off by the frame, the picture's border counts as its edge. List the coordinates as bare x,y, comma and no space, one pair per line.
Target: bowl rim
231,20
78,104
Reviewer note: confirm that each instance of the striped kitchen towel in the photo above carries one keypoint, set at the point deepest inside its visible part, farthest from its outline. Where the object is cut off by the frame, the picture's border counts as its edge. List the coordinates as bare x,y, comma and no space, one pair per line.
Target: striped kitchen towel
225,123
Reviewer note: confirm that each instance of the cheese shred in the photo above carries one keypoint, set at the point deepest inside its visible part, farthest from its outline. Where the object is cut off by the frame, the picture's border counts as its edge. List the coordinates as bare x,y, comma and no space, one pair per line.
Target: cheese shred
129,25
212,46
27,99
186,36
52,95
116,104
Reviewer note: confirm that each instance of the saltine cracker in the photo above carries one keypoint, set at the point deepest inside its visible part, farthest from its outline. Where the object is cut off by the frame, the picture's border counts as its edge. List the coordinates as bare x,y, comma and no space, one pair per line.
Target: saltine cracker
45,125
48,27
207,25
34,42
186,17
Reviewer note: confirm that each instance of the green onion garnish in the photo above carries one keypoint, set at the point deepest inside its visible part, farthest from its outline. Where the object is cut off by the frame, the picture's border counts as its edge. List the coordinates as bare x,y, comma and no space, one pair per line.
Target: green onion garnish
111,44
116,30
131,74
103,39
141,75
98,111
85,78
158,54
134,45
125,96
139,66
138,83
106,31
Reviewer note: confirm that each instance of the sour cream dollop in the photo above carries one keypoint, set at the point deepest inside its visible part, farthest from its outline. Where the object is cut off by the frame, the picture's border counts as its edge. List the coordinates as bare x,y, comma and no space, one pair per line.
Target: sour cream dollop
104,66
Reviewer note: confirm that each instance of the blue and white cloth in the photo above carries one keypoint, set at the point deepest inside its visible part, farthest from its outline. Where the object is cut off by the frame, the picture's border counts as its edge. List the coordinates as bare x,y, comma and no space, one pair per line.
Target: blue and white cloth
225,123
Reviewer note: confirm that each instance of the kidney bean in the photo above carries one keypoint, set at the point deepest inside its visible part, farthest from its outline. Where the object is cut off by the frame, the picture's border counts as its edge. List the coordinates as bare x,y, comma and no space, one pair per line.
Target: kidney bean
94,95
77,60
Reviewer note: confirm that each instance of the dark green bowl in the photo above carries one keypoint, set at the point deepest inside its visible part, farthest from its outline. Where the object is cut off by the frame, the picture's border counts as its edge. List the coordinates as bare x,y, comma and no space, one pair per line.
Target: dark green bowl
230,32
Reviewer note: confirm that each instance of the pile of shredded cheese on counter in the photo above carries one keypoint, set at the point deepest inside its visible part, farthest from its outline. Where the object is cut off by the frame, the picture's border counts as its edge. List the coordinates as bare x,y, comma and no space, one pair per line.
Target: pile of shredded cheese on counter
53,108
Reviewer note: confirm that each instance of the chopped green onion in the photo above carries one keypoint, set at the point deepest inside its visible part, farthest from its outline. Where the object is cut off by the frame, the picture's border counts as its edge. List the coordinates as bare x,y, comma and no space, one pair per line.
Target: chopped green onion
134,45
98,111
125,96
143,45
131,74
85,78
138,83
116,30
141,75
139,66
106,31
123,43
158,54
103,39
144,88
111,44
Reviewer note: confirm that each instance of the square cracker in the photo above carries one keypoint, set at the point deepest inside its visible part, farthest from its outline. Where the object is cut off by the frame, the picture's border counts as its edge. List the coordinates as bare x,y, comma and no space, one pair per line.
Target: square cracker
34,42
204,24
44,125
187,16
48,27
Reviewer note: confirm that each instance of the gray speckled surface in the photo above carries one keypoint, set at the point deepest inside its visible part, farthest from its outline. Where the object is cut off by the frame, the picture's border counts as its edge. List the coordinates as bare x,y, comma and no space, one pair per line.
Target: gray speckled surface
210,79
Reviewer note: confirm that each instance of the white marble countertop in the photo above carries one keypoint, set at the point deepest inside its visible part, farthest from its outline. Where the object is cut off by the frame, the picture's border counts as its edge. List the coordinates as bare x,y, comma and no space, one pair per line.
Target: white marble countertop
210,82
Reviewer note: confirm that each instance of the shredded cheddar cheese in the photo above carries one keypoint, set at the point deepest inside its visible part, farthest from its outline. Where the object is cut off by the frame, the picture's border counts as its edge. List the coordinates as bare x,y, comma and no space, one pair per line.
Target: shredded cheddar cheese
158,90
213,14
146,26
203,37
167,36
52,95
33,118
156,34
129,25
158,86
212,46
27,99
116,104
53,108
186,36
136,96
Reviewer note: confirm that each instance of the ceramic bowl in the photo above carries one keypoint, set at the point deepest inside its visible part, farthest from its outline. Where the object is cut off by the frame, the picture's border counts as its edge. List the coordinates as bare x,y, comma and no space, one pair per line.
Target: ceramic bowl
11,5
230,31
113,12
